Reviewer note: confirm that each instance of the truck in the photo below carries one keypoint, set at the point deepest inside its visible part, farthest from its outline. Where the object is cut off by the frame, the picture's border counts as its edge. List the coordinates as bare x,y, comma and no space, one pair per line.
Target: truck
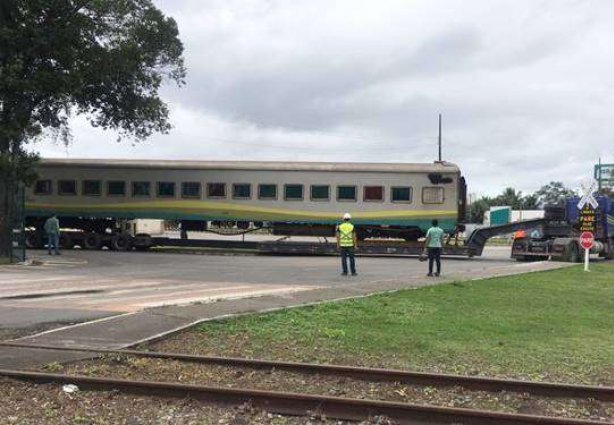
557,235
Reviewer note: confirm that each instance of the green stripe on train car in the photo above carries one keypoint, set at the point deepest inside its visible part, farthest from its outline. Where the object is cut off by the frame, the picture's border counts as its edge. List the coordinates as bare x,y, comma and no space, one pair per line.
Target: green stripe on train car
198,210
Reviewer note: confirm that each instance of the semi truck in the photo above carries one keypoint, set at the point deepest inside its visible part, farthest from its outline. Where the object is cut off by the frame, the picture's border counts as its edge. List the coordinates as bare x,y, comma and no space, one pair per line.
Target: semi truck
557,235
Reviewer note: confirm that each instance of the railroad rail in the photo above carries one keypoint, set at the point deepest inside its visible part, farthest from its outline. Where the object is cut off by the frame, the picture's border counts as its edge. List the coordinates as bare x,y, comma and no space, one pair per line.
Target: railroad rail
302,404
479,383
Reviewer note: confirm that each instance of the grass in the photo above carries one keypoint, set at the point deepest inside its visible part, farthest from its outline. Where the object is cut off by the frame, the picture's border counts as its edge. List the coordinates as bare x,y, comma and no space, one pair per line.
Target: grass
555,325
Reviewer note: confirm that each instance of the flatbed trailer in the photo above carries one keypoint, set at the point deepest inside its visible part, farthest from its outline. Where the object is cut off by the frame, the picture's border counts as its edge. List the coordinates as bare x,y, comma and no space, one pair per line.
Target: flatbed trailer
285,247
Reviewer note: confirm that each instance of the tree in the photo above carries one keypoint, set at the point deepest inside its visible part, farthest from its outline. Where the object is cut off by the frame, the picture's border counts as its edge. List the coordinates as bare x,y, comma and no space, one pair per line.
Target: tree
478,208
510,197
553,193
102,58
530,202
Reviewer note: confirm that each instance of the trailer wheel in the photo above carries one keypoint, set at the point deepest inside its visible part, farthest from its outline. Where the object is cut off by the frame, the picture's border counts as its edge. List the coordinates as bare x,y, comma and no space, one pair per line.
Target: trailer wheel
34,240
142,242
572,253
121,242
66,242
91,241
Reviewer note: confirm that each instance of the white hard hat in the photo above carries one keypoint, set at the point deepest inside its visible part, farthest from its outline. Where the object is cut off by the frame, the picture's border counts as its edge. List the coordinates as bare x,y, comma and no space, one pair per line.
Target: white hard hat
347,216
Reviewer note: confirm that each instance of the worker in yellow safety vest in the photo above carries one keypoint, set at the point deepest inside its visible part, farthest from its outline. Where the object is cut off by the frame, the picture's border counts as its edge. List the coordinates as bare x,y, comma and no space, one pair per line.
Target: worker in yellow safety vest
346,243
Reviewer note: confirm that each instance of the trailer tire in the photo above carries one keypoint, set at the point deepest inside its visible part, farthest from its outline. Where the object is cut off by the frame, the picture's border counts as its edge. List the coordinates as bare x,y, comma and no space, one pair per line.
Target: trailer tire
91,241
66,241
121,242
34,240
142,242
572,253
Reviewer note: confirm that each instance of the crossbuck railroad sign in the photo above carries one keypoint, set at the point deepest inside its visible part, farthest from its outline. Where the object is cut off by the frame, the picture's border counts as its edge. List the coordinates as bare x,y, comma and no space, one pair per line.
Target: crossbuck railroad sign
588,187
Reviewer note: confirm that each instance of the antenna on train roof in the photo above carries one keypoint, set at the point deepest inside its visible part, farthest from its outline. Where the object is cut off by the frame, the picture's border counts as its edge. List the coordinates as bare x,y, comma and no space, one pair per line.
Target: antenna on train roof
439,138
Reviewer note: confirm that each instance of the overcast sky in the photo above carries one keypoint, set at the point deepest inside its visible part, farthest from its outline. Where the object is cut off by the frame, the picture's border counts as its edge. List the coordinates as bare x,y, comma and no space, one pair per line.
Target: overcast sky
526,87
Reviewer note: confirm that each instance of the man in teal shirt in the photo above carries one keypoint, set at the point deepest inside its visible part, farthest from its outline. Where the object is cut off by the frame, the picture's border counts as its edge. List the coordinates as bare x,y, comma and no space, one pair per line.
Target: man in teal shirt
52,228
433,243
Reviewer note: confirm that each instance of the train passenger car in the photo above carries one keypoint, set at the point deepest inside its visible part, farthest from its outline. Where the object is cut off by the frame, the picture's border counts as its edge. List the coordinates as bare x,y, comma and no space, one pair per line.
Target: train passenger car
306,198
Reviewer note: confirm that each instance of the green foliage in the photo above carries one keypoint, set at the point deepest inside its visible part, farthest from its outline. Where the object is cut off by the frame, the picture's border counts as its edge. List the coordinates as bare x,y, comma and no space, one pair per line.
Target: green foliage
18,168
478,208
510,197
53,367
103,58
530,202
553,193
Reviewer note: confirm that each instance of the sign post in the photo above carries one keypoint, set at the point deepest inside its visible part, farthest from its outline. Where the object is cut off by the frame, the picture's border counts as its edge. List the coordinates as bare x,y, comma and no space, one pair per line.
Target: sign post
588,218
586,241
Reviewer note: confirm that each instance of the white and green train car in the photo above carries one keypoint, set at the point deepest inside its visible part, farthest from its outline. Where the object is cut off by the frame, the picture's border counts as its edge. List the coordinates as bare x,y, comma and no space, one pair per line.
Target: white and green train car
306,198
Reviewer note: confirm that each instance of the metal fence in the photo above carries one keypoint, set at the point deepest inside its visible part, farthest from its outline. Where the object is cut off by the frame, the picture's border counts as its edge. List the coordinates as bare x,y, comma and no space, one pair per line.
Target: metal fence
12,235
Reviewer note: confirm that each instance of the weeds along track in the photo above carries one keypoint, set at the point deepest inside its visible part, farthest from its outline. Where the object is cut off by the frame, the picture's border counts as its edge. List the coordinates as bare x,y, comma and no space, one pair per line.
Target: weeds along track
301,403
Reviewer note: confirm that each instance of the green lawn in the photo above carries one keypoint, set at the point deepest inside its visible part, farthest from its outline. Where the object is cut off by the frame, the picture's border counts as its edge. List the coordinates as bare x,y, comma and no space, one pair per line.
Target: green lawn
556,325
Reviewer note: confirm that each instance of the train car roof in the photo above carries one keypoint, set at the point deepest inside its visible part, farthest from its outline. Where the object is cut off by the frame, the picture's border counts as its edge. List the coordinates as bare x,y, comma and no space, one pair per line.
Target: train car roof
254,165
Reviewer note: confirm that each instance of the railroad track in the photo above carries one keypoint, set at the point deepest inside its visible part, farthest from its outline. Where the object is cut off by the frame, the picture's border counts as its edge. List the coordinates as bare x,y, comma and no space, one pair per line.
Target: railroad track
332,407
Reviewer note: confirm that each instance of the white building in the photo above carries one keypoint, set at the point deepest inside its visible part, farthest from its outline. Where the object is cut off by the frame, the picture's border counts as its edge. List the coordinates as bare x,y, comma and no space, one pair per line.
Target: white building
503,215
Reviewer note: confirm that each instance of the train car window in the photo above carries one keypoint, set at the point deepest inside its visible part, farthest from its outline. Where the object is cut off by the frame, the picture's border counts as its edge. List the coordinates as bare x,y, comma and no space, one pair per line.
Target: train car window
432,195
216,190
92,188
400,194
242,191
320,192
267,192
346,193
373,193
166,189
141,189
293,192
190,190
67,187
116,188
43,187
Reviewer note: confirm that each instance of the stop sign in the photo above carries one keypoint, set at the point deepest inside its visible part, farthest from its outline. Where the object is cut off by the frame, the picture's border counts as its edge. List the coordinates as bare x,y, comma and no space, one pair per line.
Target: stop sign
586,240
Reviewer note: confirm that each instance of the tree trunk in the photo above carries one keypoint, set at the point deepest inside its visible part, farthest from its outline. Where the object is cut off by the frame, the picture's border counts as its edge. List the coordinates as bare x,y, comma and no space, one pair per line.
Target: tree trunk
11,222
5,236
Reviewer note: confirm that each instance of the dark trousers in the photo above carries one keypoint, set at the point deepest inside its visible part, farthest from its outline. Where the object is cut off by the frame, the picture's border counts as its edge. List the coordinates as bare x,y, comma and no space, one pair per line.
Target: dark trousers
348,252
434,256
53,242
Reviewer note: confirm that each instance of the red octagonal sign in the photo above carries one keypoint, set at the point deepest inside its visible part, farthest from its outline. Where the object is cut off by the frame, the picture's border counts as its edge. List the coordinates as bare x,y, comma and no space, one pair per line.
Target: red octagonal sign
586,240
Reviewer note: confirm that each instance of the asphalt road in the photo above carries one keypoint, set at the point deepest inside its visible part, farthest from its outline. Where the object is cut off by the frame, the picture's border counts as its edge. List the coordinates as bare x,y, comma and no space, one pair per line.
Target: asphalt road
84,285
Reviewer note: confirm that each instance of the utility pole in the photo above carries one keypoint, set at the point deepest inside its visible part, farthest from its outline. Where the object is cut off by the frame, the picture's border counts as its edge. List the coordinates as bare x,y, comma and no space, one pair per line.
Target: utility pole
439,139
598,175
